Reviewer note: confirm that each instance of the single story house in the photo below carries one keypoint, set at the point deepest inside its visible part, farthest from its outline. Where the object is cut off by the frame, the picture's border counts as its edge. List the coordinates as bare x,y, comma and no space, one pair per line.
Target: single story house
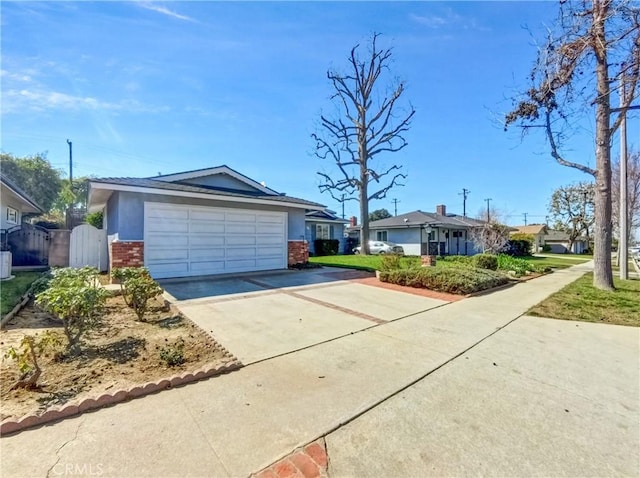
421,233
207,221
560,244
324,224
15,204
538,231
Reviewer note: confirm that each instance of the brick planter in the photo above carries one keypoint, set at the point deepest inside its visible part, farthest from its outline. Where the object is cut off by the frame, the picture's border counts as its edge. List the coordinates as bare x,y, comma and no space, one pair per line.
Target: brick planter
126,254
428,261
298,252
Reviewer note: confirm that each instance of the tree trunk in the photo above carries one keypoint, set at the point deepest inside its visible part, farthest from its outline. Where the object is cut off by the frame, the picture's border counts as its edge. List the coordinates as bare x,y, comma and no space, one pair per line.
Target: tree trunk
602,273
364,213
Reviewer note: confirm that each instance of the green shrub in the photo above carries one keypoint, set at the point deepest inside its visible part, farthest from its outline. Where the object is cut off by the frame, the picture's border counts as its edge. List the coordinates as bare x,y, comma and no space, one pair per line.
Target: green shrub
455,280
390,262
458,260
41,283
95,219
486,261
518,248
326,247
31,348
76,298
519,266
173,354
137,287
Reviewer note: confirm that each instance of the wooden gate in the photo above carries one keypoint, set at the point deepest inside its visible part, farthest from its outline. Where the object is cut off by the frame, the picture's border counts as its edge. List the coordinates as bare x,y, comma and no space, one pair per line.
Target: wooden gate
88,247
29,245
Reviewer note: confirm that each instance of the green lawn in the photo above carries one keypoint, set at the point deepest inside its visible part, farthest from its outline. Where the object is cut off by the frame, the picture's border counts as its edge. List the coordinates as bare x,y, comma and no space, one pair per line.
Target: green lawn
12,290
368,263
558,261
581,301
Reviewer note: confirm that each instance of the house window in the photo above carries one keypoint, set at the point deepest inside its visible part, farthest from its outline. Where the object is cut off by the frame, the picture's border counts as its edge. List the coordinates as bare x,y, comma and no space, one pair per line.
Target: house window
322,231
12,215
381,235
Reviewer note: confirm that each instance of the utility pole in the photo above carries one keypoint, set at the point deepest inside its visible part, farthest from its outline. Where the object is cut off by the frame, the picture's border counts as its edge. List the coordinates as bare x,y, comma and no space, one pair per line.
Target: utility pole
395,206
343,206
465,192
488,200
70,164
525,218
624,233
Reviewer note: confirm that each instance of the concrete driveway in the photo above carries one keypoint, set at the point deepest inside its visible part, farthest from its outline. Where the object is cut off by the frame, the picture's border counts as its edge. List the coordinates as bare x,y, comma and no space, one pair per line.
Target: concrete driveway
260,316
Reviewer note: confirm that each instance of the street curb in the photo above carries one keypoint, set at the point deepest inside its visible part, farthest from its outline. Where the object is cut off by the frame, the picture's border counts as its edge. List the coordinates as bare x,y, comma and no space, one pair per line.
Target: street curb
76,408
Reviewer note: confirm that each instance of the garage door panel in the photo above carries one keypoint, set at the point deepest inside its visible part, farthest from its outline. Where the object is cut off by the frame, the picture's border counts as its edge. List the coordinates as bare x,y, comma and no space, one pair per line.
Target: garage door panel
207,267
161,241
208,227
207,215
208,253
167,212
241,228
241,240
233,216
272,240
170,269
206,241
166,254
184,240
239,252
168,225
269,251
269,229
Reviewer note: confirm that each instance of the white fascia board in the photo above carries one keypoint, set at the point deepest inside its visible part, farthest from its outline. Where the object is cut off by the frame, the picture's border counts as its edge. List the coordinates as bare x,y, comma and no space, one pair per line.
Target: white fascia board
215,197
217,170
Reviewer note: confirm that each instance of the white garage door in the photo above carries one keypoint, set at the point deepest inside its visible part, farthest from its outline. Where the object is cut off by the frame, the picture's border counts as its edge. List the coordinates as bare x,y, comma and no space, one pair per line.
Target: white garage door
182,241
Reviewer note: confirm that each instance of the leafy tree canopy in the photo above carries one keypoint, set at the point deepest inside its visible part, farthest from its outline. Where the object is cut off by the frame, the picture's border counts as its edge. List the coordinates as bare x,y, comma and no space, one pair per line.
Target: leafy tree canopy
34,175
379,214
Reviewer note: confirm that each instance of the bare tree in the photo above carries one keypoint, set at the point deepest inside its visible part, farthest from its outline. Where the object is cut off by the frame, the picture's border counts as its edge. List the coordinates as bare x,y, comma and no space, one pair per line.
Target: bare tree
491,237
633,193
492,215
593,47
369,122
571,207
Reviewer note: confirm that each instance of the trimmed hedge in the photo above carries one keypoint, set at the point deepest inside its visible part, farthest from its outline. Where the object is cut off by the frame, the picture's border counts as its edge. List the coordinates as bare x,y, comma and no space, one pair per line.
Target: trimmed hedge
486,261
455,280
326,247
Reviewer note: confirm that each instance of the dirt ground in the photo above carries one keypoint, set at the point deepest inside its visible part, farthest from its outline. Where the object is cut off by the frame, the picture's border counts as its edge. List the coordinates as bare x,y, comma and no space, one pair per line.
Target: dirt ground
120,353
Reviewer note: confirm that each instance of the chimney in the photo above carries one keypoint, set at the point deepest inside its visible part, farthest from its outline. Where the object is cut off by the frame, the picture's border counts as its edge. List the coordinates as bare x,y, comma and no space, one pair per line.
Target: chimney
441,209
353,221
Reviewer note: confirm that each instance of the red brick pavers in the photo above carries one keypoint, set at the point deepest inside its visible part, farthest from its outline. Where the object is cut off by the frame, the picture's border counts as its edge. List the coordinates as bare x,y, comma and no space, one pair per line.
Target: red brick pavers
309,461
410,290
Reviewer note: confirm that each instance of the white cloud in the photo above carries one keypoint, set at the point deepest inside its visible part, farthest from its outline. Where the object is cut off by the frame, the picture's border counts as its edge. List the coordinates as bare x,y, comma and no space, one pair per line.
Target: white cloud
38,101
447,19
165,11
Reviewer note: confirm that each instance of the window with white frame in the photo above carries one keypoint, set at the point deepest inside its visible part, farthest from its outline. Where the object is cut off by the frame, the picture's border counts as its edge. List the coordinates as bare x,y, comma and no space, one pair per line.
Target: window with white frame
323,231
12,215
381,235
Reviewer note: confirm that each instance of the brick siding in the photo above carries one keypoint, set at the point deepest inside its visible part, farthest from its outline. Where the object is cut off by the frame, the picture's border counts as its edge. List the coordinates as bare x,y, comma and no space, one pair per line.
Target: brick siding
126,254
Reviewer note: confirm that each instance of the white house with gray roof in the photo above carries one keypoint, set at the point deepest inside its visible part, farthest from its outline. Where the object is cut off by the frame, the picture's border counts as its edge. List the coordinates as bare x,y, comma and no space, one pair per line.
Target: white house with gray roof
208,221
421,233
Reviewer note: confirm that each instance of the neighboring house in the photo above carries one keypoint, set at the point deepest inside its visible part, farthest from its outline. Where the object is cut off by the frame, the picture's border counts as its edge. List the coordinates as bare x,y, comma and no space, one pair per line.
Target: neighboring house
421,233
15,204
538,231
207,221
324,225
559,243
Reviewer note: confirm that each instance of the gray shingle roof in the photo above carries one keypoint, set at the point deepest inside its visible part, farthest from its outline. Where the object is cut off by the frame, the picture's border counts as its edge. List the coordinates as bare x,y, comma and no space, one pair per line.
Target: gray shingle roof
420,218
174,186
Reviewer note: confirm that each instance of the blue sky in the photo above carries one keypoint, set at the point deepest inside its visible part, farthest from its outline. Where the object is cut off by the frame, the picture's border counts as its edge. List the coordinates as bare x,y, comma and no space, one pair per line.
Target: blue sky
148,87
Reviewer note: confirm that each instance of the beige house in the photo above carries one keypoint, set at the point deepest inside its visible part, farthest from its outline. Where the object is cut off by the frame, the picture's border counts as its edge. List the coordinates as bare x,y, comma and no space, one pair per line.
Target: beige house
538,231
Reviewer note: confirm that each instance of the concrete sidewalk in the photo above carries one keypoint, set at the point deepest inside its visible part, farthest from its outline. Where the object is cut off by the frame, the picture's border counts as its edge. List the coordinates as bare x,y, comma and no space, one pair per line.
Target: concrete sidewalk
237,424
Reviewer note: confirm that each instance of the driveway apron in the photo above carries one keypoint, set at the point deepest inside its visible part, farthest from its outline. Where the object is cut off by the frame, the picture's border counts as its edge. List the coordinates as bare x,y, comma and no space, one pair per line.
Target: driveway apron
262,316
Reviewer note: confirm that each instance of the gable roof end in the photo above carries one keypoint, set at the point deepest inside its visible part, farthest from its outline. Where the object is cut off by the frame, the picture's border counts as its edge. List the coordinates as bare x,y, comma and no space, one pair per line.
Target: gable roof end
15,189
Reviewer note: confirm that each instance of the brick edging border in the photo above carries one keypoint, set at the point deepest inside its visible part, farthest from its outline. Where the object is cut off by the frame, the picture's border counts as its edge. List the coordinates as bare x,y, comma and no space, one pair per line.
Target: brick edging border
76,408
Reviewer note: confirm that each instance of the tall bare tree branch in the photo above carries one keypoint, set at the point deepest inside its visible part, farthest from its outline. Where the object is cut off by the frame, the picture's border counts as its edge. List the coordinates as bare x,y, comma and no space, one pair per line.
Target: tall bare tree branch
366,128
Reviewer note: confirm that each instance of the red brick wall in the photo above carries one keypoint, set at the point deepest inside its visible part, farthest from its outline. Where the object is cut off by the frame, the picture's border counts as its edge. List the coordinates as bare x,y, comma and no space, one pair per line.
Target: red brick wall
126,254
298,252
